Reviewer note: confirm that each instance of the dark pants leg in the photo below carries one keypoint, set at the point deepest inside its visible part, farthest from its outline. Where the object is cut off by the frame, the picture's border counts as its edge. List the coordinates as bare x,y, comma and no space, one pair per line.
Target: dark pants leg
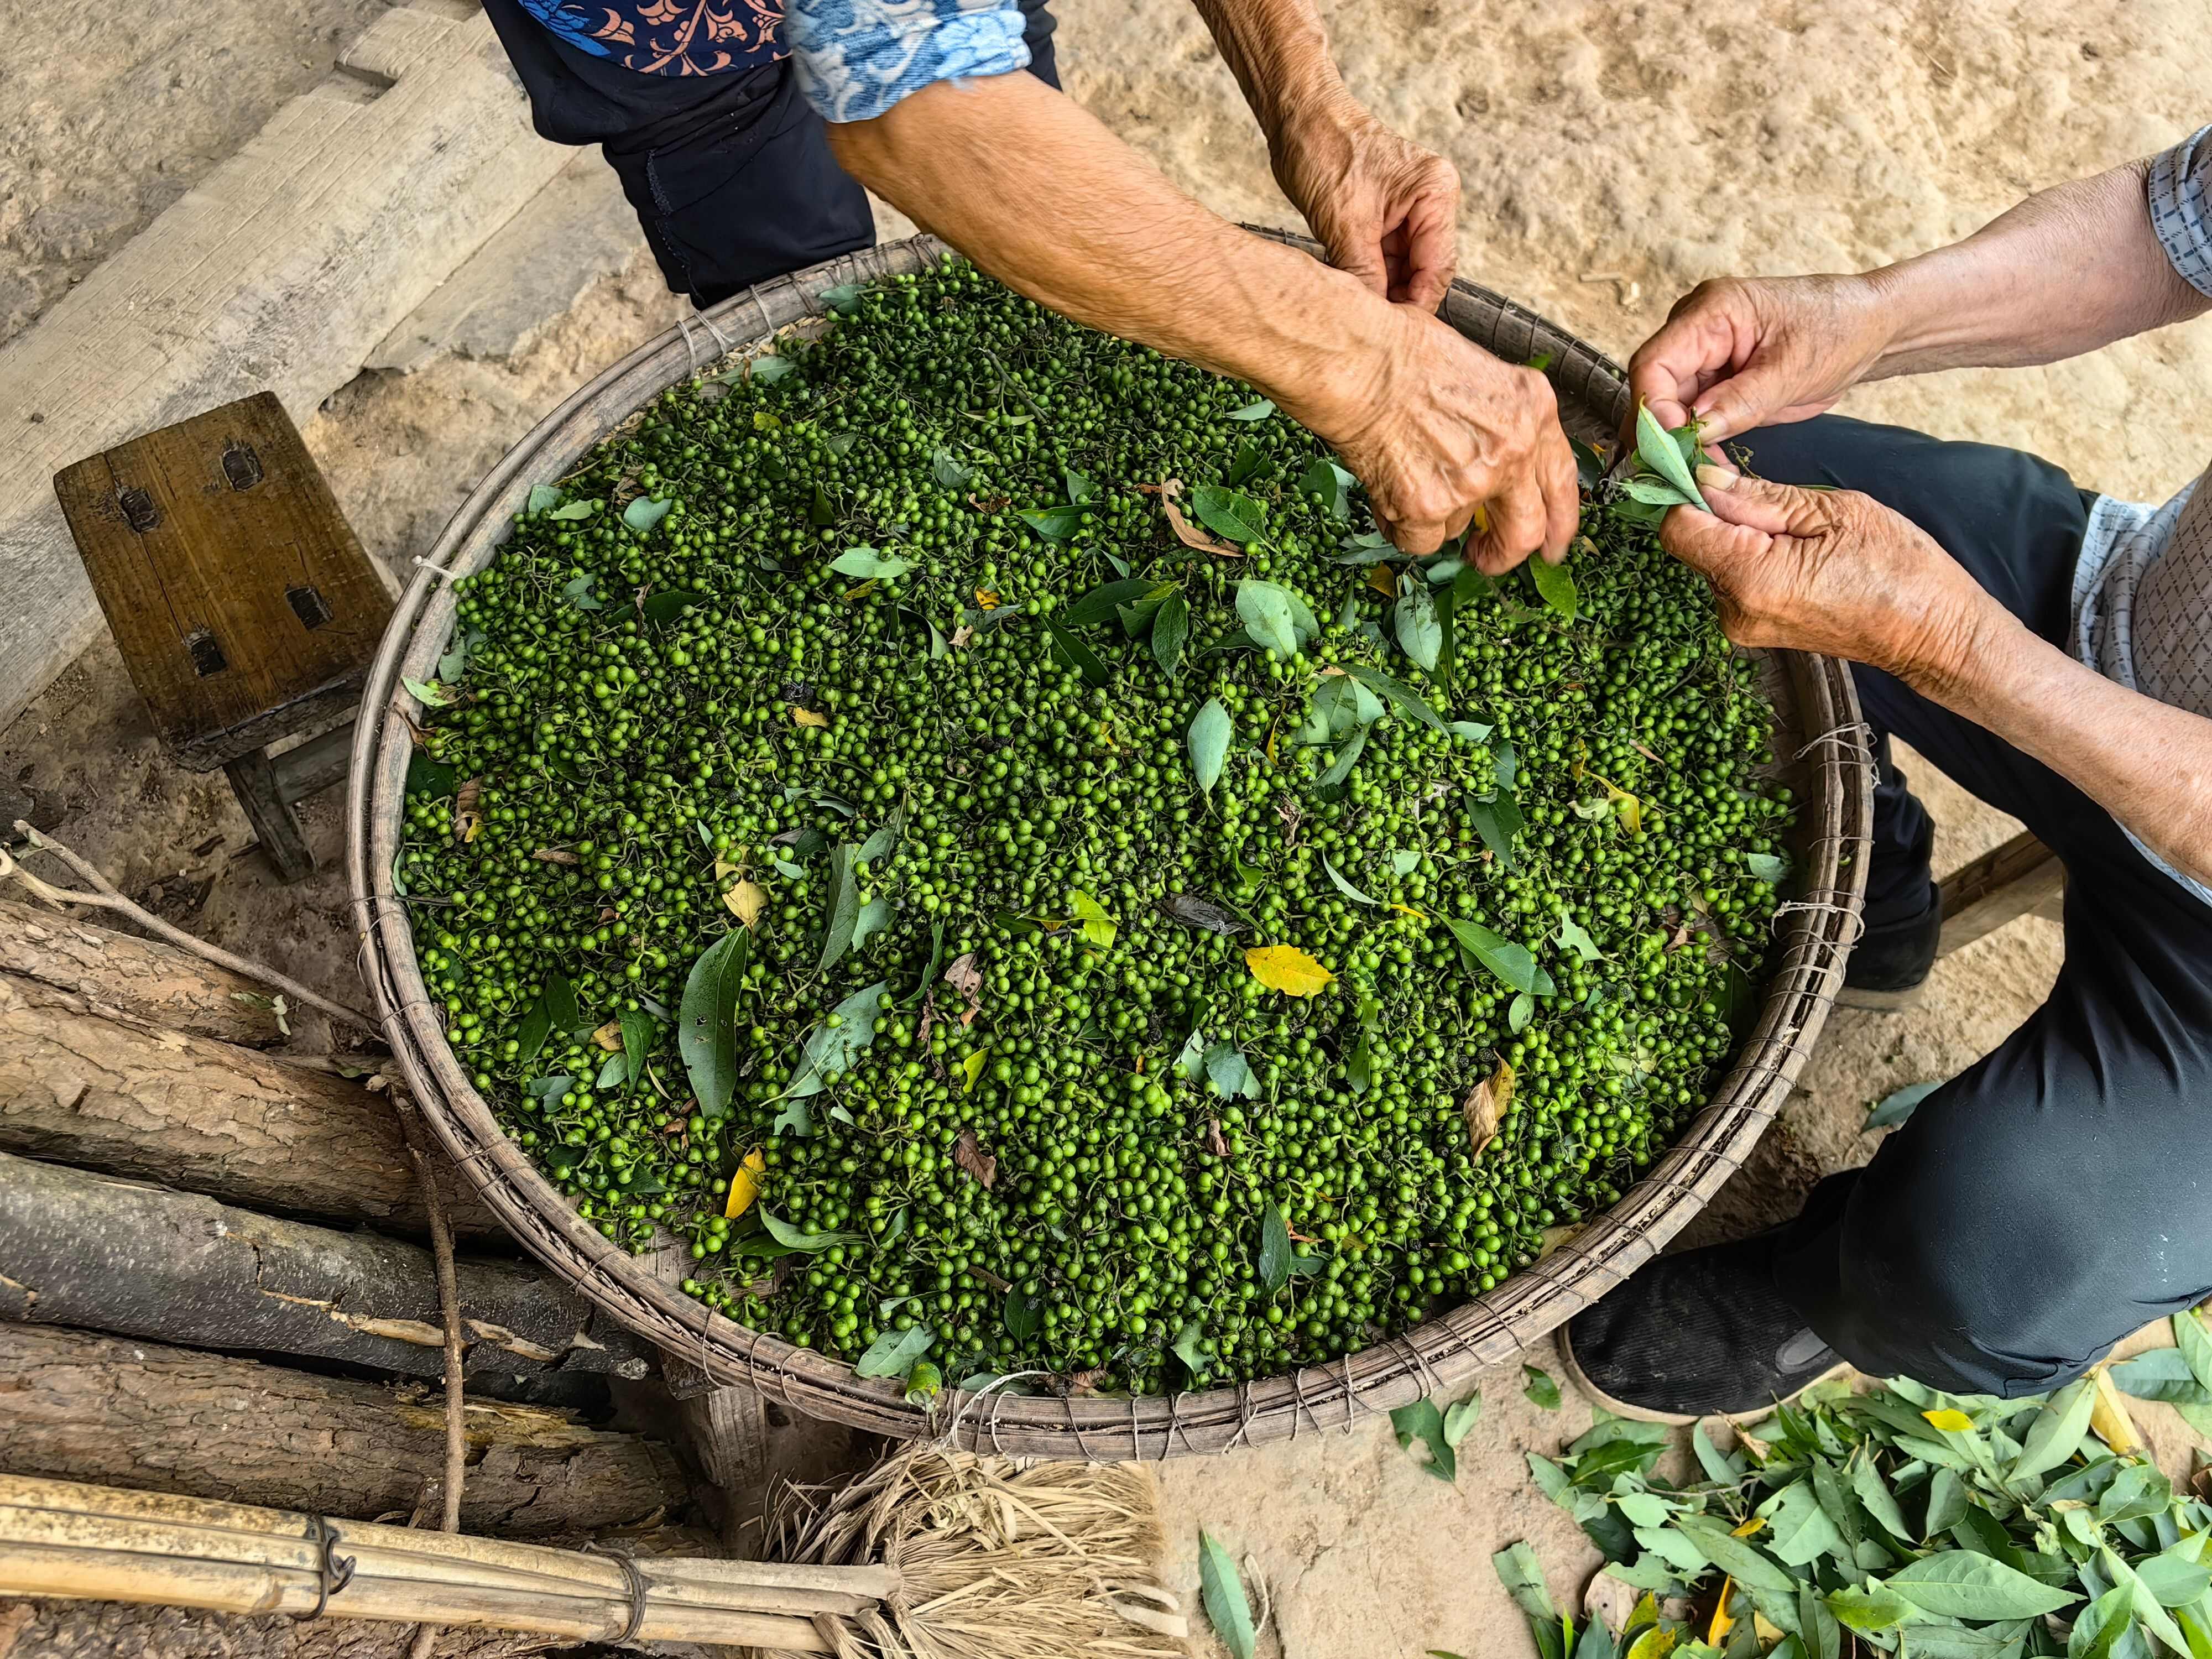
730,174
2056,1194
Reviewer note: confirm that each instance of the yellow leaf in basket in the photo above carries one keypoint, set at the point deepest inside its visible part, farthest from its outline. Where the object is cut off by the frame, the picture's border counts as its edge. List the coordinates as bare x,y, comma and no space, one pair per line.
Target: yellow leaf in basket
1723,1621
1286,968
1950,1422
744,1186
745,902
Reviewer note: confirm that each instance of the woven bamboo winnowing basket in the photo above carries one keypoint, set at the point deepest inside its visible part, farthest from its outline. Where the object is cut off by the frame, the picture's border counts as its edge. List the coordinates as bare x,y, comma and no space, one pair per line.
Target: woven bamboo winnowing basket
1820,751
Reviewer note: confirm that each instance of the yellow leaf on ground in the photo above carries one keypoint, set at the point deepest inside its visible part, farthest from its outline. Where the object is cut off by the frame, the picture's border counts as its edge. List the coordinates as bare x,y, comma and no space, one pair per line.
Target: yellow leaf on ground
1286,968
1484,1104
970,1070
1716,1633
808,717
744,1185
1950,1422
608,1036
746,901
2109,1417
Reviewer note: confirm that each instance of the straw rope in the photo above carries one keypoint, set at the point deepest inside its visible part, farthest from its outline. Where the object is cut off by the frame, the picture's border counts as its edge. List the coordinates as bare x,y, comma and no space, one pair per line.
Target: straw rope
1821,751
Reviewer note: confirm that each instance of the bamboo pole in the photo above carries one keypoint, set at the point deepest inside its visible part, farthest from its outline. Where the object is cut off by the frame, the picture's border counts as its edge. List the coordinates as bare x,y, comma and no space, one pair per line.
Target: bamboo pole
65,1539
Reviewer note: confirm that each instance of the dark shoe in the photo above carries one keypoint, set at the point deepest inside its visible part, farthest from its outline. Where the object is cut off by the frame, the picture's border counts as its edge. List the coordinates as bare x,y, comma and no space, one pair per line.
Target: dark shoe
1704,1333
1891,961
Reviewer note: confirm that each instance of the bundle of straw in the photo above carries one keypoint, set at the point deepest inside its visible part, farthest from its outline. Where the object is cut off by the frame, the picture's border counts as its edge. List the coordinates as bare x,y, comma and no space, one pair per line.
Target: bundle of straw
993,1561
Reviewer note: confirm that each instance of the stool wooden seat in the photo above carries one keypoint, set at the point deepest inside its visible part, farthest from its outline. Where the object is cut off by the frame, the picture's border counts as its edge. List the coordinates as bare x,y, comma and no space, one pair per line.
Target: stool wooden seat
244,606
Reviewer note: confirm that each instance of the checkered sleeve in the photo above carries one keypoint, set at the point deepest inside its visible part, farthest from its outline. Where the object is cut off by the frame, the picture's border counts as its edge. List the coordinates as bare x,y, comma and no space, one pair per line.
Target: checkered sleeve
2180,195
857,57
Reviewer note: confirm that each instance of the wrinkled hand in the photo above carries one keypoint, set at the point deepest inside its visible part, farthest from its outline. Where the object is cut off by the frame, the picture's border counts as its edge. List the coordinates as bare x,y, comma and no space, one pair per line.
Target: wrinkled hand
1831,571
1741,354
1445,436
1385,208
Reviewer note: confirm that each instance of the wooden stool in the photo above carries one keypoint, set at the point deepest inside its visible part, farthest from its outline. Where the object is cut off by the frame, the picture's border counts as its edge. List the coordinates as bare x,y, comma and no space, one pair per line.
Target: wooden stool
242,602
2021,878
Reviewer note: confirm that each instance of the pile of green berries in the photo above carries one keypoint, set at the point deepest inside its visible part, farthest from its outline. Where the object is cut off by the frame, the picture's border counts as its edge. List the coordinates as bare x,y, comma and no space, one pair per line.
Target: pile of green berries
885,664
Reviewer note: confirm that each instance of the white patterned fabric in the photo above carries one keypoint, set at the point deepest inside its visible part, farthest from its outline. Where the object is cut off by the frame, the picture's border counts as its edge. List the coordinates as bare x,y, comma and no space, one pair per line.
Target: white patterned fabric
857,57
2142,590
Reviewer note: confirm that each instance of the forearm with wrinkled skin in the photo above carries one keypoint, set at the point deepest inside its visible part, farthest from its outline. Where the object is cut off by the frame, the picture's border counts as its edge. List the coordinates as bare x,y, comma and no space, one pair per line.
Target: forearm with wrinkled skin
1040,194
1278,50
2071,269
2157,780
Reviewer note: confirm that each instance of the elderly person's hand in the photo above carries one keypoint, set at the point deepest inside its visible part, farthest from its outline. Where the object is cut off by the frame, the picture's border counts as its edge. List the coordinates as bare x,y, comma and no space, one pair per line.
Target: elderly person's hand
1835,572
1447,439
1741,354
1385,208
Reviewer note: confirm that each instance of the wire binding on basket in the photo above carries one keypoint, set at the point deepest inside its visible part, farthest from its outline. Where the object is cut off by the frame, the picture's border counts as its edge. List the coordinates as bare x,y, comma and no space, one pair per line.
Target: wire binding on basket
1444,1353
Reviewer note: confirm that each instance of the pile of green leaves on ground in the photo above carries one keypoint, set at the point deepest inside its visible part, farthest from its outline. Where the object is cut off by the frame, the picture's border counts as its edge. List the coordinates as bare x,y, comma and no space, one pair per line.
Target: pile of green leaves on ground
1902,1520
966,828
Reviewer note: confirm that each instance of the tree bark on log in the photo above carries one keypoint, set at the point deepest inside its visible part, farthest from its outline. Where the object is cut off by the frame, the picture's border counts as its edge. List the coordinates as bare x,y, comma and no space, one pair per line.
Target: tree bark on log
119,976
208,1117
76,1407
108,1253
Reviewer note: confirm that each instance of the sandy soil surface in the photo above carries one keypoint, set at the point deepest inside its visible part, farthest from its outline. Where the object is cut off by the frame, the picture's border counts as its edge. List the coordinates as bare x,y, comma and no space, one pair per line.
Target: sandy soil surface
1613,156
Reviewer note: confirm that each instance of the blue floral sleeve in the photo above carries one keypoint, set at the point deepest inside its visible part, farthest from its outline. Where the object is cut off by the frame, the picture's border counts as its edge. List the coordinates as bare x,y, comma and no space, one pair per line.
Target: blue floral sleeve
857,57
2181,207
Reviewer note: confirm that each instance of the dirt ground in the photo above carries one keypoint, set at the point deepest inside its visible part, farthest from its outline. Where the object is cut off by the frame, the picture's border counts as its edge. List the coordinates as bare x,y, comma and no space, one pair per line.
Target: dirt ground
1613,155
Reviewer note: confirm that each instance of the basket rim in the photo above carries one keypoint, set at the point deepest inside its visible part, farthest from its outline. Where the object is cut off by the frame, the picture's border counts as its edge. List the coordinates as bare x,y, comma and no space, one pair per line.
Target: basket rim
1813,937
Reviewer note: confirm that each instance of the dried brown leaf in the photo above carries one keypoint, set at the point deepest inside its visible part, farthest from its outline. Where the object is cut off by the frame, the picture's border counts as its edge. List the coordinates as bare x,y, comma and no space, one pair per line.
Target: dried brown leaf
1188,534
990,503
1214,1142
1381,578
1079,1385
745,902
467,821
963,636
968,1152
965,976
1484,1105
556,855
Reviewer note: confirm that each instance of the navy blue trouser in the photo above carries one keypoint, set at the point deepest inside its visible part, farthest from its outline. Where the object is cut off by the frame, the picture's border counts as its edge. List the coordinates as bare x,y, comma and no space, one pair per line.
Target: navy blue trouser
2056,1194
730,174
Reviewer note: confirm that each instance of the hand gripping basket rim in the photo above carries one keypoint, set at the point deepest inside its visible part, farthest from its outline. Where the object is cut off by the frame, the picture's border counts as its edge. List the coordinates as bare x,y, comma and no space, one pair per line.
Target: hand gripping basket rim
1821,743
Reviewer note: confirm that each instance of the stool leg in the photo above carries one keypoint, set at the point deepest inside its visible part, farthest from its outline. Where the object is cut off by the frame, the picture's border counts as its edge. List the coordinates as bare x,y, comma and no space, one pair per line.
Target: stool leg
253,780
